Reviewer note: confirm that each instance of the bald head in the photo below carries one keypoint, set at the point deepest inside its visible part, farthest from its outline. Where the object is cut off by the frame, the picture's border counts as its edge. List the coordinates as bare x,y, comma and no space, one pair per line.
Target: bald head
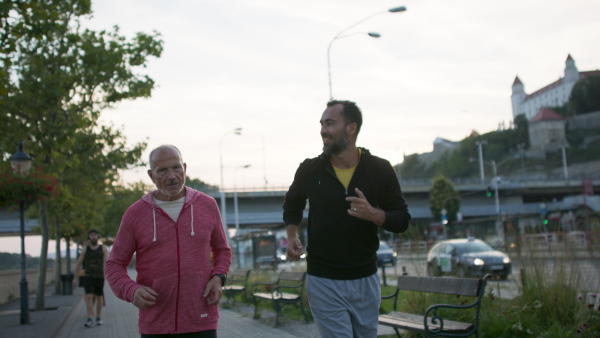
165,147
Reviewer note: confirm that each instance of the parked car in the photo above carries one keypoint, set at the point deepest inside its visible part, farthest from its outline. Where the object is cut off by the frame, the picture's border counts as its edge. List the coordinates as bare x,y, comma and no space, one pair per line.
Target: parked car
385,255
467,257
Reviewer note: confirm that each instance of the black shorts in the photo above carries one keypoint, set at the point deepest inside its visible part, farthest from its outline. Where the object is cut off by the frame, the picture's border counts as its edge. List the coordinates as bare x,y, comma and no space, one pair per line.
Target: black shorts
93,285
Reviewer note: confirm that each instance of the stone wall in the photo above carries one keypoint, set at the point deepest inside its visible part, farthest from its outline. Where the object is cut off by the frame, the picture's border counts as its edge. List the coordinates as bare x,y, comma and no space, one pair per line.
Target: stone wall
10,287
585,121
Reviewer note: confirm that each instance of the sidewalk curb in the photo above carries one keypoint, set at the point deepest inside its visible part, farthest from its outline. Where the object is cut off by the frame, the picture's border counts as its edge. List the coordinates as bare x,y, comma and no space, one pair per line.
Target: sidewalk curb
61,324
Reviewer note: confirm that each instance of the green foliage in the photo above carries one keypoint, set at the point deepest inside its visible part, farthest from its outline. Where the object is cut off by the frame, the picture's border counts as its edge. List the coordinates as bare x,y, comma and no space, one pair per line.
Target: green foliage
61,77
585,96
199,184
413,168
443,196
119,200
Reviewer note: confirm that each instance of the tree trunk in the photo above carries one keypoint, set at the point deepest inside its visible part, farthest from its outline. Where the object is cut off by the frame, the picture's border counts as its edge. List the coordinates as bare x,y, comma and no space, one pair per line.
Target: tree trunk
39,299
58,260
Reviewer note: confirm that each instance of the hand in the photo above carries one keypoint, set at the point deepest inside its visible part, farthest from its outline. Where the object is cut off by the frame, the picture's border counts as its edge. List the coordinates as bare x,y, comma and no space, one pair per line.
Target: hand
144,297
360,208
213,291
294,249
75,281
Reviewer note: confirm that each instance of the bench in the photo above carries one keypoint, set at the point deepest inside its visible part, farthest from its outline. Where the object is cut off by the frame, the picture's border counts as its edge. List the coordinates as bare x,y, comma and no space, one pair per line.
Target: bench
431,323
236,283
288,290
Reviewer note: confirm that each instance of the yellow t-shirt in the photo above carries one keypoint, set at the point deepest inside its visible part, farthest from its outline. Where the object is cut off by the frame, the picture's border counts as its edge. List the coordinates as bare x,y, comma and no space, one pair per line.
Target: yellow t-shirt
345,175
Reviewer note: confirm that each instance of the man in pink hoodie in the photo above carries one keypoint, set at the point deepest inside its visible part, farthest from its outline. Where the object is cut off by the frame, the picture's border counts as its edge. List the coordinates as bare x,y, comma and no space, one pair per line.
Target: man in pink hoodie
173,231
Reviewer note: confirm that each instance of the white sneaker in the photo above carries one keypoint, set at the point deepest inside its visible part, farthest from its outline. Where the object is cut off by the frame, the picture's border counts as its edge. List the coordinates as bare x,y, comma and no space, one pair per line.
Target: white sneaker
98,321
89,323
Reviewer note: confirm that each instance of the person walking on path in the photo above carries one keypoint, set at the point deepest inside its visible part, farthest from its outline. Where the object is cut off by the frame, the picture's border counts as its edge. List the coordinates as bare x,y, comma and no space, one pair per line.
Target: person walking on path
182,254
93,257
352,194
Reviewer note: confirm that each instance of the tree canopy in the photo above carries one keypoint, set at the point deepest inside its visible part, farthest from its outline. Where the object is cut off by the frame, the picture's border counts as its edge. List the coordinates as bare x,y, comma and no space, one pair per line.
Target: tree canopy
57,78
585,96
443,196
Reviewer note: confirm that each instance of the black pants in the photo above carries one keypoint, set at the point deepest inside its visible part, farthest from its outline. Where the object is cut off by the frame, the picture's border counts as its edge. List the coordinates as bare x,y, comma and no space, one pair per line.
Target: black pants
203,334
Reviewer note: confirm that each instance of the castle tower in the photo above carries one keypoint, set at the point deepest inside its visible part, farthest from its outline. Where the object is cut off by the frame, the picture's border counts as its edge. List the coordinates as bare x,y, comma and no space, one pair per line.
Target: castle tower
517,97
571,72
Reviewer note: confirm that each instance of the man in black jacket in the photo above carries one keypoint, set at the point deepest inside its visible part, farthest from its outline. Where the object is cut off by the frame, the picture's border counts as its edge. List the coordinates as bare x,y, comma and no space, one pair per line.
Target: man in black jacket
351,194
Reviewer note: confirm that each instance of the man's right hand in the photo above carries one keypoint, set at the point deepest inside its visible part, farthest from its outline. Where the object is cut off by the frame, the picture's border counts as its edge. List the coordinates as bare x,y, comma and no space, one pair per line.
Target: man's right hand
294,249
144,297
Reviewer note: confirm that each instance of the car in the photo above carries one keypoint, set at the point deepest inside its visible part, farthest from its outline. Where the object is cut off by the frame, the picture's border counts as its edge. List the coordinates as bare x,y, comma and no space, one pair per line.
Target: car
467,257
385,255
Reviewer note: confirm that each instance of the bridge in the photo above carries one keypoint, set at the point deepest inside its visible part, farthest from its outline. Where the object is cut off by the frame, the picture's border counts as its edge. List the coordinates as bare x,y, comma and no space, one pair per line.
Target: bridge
262,208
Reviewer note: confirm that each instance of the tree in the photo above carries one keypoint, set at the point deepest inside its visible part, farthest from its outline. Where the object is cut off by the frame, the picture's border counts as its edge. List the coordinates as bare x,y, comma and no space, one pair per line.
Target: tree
585,96
199,185
60,78
119,200
413,168
443,196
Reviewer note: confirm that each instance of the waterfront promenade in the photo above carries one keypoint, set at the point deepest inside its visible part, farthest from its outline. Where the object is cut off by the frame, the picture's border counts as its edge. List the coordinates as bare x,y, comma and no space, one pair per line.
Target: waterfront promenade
66,315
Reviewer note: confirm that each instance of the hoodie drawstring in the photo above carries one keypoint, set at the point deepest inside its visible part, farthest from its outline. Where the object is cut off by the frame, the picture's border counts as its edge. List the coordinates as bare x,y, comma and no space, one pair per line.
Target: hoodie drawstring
192,222
192,211
154,216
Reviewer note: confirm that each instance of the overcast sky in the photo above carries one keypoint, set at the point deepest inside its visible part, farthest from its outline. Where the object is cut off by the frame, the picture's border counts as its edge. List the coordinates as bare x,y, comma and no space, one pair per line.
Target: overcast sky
440,69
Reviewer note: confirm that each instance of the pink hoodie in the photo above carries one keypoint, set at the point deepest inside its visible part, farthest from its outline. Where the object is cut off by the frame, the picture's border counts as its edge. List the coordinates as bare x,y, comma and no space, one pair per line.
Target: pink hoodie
173,259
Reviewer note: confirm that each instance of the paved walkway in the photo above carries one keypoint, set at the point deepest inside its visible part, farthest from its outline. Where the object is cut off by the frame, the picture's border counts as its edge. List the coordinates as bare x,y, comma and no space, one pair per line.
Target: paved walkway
66,315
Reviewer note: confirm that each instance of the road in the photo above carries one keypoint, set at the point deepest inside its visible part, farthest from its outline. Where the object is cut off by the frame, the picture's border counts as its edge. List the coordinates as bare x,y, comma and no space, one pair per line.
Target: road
588,270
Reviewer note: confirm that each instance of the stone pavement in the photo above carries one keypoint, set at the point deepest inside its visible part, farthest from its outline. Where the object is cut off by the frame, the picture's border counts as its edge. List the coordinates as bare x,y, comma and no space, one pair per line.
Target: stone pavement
66,315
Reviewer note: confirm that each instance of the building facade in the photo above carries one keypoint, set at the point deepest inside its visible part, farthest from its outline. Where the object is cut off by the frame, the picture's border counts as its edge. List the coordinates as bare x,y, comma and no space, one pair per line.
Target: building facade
553,95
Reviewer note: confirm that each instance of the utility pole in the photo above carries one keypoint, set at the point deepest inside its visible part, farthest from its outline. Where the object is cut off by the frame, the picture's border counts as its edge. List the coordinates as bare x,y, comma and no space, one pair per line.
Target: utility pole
481,172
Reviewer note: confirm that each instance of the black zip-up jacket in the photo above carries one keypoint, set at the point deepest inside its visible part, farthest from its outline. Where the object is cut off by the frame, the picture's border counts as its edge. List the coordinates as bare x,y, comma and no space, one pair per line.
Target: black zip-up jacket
340,246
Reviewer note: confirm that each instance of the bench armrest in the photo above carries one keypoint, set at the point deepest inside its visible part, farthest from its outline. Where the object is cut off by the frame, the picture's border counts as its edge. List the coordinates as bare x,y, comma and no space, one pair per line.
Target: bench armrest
393,295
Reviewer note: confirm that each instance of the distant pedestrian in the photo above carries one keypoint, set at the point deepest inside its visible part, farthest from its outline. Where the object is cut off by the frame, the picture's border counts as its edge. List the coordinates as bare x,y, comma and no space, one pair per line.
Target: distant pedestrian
351,194
93,257
182,255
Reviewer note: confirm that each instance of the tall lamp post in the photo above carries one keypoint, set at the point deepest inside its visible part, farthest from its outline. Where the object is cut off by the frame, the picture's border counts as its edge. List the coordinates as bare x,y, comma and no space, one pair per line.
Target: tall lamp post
341,35
480,151
236,131
236,212
235,197
21,163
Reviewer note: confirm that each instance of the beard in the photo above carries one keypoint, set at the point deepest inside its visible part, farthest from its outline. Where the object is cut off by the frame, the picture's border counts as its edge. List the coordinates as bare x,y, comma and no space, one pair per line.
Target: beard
94,241
337,145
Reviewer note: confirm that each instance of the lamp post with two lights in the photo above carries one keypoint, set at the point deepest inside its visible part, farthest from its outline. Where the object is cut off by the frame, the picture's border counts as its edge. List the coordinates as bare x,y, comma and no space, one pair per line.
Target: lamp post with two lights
341,35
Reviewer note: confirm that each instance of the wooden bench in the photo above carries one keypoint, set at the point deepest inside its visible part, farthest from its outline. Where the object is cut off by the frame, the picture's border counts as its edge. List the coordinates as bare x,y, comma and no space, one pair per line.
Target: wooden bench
236,283
431,323
288,290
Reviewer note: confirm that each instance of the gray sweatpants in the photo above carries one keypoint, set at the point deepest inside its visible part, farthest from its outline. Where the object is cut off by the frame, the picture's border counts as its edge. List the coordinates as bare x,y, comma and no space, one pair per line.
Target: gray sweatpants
345,308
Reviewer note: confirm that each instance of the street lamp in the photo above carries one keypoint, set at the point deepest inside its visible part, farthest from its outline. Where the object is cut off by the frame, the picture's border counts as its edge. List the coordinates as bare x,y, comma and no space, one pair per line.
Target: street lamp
341,35
481,172
21,163
236,212
236,131
235,197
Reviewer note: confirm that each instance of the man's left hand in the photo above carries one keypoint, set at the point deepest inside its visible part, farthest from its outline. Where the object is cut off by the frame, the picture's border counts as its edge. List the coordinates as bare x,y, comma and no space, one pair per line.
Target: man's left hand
213,291
360,208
